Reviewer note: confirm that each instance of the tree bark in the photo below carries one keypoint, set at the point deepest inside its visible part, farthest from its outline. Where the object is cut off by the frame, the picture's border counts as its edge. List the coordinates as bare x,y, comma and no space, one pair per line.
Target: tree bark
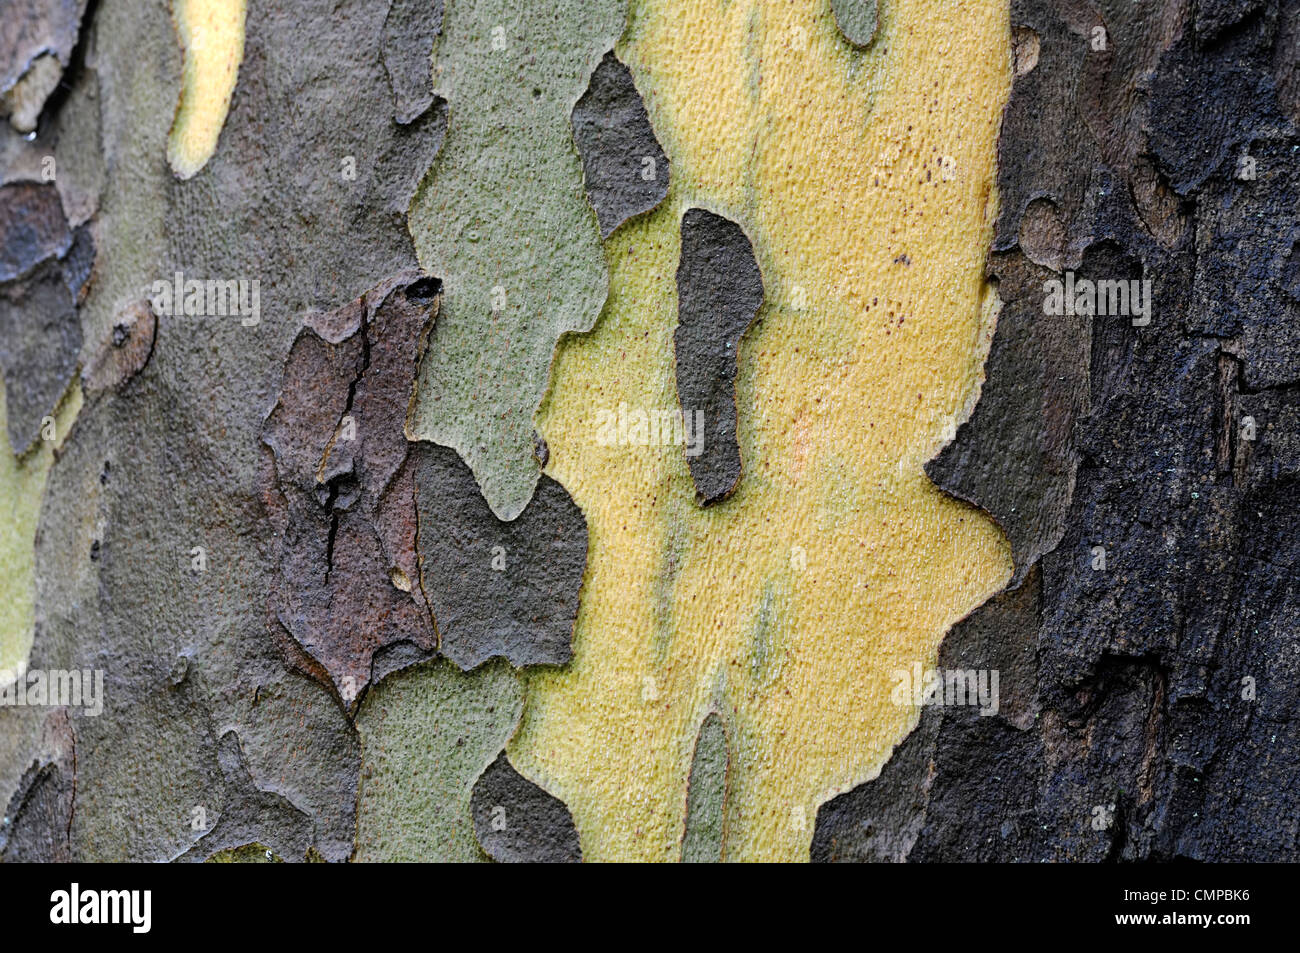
312,541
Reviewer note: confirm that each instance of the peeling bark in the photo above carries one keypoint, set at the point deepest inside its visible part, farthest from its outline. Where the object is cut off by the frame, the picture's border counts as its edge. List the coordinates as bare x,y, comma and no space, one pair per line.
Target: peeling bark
719,292
518,822
1153,693
343,498
37,38
623,165
331,570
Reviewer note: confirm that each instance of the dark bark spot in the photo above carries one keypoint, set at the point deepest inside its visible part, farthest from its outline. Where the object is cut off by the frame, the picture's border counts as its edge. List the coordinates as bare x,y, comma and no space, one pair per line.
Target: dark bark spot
623,165
719,292
498,588
518,822
344,501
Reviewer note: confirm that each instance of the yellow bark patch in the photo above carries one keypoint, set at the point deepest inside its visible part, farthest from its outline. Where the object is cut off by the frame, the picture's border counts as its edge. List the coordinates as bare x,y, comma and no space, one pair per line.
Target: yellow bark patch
22,488
212,35
866,182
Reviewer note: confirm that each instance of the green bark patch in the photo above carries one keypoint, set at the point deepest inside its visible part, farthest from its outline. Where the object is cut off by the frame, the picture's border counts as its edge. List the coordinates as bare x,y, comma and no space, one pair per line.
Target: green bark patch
857,20
427,734
503,219
706,797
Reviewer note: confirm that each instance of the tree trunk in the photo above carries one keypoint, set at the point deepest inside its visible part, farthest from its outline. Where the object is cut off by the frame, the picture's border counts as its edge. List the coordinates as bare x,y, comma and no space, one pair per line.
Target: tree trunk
584,432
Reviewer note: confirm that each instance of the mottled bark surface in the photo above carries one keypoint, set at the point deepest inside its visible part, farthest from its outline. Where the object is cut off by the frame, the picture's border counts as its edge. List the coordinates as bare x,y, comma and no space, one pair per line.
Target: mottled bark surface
1148,707
230,535
317,630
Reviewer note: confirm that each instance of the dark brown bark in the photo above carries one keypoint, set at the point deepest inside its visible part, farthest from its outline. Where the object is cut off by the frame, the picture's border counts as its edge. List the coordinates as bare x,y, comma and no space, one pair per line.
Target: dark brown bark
1128,730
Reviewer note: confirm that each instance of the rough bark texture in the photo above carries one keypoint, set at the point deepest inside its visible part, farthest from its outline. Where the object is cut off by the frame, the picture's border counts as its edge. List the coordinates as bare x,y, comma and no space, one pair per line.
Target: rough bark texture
516,821
204,574
623,165
1149,708
719,292
316,630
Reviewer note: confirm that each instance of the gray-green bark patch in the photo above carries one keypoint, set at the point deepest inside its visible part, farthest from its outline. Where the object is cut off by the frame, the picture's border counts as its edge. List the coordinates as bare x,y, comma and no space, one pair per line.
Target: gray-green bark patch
857,20
427,734
503,219
706,797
